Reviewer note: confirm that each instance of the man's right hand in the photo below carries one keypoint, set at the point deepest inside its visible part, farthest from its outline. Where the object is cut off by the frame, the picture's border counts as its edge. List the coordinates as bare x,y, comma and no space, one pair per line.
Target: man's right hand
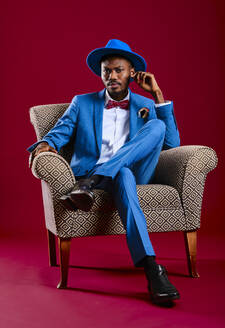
44,146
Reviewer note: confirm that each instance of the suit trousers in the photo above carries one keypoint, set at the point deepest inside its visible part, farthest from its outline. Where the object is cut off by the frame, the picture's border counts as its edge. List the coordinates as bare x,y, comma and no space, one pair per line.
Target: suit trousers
134,163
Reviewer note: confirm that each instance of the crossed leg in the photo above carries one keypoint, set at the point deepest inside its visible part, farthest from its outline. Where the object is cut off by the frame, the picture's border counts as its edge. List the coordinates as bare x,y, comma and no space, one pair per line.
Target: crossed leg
133,164
140,154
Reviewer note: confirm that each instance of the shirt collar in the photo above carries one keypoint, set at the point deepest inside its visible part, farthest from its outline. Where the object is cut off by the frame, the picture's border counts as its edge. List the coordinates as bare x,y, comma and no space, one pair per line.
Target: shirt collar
107,97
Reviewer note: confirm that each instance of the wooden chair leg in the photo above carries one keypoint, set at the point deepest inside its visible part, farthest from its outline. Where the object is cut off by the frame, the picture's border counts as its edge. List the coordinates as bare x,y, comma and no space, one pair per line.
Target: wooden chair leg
190,238
64,254
51,248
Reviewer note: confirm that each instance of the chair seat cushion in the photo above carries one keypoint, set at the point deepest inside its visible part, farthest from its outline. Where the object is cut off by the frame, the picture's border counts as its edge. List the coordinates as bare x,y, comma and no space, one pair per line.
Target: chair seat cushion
151,196
161,206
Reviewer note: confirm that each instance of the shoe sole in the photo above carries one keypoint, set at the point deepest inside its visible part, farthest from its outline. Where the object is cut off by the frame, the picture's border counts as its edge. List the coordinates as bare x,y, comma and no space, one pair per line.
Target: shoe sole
67,203
82,200
164,299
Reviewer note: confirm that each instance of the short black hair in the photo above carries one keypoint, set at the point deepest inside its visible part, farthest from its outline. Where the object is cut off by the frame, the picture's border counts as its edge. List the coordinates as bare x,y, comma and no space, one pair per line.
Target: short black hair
105,57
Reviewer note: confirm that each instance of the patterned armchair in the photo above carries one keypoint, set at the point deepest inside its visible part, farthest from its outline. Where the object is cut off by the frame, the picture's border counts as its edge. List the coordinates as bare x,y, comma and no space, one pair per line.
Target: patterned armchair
171,203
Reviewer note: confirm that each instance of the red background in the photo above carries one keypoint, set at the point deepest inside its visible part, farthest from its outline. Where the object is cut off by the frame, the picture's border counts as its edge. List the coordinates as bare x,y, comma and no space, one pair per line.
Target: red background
44,46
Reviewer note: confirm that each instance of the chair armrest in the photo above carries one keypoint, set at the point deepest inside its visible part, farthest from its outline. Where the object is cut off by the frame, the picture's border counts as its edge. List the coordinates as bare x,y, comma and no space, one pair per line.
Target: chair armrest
55,170
176,164
185,168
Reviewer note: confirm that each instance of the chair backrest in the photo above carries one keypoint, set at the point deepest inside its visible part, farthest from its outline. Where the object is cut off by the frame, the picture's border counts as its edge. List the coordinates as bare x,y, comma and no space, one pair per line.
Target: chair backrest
44,117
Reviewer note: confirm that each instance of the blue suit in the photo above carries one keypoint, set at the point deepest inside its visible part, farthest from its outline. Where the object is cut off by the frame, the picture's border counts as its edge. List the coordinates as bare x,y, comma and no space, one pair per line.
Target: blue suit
134,163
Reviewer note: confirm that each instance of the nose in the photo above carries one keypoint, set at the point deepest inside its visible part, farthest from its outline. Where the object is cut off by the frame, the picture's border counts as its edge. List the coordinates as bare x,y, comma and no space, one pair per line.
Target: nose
112,75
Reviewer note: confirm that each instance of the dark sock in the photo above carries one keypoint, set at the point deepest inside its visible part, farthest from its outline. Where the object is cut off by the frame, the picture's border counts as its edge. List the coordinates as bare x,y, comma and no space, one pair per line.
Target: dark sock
95,179
89,183
150,266
151,269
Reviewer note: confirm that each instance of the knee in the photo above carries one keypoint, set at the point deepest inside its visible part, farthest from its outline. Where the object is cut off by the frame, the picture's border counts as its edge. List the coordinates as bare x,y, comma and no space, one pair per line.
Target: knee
124,173
158,127
124,176
158,124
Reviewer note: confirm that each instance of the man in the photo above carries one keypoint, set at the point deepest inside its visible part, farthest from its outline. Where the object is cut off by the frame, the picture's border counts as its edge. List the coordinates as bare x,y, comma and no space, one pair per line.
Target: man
118,139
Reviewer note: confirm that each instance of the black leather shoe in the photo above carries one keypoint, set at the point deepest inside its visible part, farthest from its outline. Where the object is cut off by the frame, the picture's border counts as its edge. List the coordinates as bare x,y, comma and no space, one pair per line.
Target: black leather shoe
160,288
67,203
82,196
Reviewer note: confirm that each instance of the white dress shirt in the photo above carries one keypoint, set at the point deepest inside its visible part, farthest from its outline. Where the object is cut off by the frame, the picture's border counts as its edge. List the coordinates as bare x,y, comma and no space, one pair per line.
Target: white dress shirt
115,128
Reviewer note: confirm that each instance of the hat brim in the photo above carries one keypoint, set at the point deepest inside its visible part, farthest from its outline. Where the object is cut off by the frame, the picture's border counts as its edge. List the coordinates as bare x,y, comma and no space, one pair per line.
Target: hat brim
94,59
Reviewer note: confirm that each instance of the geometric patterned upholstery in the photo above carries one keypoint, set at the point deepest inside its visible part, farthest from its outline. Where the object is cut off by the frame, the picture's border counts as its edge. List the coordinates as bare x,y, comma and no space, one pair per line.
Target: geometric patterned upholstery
172,202
188,167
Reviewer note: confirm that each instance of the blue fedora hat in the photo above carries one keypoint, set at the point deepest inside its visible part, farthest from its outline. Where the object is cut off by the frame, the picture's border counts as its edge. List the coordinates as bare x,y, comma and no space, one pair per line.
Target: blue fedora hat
116,47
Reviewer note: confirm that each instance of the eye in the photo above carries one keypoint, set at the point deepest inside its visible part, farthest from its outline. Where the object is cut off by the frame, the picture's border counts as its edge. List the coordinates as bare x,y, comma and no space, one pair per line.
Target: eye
106,70
118,70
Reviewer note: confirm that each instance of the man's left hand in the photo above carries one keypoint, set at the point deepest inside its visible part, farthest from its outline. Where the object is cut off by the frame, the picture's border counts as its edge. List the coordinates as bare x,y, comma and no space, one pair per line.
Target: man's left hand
148,82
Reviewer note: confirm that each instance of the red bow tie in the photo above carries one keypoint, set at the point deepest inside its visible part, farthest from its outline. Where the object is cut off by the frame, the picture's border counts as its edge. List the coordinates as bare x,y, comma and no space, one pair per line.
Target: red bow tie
122,104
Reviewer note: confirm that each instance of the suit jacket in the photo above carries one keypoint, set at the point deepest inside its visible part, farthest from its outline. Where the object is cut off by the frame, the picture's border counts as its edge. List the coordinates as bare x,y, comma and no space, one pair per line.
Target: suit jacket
82,122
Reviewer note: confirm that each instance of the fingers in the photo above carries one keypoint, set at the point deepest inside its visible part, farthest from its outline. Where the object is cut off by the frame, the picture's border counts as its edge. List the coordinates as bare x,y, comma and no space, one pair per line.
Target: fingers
31,158
53,150
136,77
141,77
39,151
44,149
33,155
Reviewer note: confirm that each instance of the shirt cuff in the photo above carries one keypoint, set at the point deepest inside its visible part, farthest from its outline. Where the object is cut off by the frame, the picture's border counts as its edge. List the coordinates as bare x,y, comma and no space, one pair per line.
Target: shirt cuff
163,104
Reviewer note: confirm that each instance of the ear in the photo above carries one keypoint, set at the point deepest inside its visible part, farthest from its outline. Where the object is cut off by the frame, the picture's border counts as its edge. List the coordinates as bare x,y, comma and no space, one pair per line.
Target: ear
132,72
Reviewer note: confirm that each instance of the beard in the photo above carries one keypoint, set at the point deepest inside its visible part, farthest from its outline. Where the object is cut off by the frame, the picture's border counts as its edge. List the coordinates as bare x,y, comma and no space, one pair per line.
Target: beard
121,93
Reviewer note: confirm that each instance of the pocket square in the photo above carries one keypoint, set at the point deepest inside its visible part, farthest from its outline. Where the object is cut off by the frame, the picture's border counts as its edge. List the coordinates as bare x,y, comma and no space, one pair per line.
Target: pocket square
143,112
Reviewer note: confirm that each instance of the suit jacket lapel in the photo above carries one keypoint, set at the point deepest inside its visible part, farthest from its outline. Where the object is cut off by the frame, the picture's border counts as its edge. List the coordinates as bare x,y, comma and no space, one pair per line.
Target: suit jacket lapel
98,117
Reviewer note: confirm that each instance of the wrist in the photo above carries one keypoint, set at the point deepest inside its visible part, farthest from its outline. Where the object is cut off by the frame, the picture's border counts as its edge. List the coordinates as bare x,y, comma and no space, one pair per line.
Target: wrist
42,144
158,96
